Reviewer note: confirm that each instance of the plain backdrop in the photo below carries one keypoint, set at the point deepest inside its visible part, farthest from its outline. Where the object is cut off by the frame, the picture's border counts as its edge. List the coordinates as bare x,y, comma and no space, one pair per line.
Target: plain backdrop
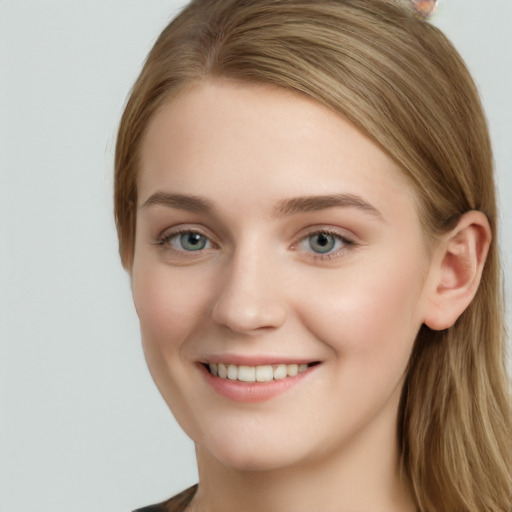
82,427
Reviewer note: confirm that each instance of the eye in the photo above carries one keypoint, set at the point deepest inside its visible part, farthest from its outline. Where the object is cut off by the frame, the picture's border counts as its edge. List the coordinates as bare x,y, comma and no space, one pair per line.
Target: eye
324,244
186,241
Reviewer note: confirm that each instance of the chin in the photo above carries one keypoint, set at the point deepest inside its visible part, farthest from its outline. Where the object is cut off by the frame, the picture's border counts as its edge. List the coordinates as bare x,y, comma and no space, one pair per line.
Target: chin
243,453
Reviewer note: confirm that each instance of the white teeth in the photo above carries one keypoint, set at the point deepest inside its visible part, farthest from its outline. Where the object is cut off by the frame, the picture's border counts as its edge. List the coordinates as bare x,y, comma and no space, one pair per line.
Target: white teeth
280,372
223,371
232,372
247,373
265,373
292,370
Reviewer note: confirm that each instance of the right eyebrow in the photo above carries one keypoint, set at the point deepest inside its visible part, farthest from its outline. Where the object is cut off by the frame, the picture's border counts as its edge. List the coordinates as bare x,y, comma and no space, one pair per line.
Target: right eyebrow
186,202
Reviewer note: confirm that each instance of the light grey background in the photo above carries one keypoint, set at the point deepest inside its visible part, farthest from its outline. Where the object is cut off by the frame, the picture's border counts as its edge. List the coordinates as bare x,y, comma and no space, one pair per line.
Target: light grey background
82,427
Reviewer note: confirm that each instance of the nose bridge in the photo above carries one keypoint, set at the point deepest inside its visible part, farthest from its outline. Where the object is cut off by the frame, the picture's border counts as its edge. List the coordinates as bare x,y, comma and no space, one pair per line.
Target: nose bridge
249,297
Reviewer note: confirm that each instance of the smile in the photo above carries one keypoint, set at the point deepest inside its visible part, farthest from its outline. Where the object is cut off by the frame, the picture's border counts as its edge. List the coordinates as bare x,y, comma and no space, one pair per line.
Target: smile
255,383
264,373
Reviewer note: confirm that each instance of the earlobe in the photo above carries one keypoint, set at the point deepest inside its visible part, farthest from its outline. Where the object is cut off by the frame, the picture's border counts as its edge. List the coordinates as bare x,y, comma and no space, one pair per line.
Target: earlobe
457,269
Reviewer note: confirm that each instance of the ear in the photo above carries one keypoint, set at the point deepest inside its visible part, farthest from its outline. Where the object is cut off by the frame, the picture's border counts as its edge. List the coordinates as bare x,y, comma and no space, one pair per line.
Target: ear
456,270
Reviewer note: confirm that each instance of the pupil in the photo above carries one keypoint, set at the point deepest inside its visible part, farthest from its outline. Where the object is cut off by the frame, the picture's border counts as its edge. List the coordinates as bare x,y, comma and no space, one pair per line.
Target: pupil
193,241
322,240
322,243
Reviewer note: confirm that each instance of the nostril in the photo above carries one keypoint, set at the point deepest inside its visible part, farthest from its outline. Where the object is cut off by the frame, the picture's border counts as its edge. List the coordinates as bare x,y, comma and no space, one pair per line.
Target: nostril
245,316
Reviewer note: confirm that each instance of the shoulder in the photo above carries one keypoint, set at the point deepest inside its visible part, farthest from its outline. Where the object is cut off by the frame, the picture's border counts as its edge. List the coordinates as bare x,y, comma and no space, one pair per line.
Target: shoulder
177,503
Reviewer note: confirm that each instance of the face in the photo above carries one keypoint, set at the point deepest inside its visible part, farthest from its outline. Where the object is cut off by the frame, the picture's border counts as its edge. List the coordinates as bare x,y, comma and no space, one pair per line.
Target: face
279,275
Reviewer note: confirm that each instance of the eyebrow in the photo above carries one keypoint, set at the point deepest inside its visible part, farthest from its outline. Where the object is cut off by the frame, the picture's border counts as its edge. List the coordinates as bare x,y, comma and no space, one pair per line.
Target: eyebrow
186,202
284,208
316,203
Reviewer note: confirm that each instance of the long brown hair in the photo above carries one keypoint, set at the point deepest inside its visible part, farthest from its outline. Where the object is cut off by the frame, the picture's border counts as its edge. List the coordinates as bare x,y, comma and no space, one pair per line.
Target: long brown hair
401,82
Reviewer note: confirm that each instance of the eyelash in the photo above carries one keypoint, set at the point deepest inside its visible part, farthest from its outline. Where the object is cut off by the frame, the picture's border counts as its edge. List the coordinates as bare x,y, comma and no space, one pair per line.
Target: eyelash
346,242
165,239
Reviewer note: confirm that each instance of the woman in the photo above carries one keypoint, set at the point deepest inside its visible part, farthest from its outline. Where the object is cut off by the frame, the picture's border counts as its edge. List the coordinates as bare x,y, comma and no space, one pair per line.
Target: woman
305,204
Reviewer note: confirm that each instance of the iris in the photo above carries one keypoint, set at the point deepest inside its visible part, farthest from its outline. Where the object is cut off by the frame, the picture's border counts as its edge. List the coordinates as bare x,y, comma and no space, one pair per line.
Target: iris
322,242
192,241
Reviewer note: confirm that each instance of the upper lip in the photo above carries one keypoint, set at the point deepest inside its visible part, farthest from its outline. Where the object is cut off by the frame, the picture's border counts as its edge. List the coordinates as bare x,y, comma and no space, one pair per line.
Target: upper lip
262,360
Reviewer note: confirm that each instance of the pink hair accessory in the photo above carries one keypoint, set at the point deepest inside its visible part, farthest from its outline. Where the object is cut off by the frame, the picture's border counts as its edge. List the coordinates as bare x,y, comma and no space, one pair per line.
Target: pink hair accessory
424,8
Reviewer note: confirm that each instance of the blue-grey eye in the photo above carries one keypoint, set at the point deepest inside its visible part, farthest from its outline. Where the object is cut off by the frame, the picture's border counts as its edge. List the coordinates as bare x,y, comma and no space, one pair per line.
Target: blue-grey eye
323,243
189,241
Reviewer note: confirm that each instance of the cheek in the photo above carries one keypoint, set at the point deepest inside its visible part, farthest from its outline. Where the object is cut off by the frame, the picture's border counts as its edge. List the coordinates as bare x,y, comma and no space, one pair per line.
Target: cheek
169,305
367,313
369,320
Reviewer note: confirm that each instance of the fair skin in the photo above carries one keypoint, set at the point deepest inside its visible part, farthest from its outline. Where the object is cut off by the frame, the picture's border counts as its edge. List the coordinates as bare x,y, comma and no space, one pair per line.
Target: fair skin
272,234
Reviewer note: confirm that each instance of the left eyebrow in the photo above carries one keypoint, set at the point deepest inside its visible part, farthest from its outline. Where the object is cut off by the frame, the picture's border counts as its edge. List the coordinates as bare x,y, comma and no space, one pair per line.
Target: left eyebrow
315,203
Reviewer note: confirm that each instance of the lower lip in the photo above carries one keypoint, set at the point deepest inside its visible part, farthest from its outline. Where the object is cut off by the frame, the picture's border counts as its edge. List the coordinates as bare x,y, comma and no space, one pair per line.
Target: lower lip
252,392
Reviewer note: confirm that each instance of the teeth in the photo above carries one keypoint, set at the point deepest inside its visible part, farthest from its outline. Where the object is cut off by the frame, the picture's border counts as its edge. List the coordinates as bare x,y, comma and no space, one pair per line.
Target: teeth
246,373
232,372
264,373
280,372
292,370
223,371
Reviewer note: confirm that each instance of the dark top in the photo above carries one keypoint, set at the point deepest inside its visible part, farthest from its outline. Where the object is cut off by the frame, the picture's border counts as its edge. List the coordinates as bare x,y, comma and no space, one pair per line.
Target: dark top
177,503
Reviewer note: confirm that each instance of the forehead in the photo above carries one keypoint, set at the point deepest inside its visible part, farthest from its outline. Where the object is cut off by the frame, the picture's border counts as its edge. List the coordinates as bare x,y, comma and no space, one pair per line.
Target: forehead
223,140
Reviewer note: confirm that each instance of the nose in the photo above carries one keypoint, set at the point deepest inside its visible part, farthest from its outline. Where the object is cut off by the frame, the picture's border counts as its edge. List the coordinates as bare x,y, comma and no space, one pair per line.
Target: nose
250,298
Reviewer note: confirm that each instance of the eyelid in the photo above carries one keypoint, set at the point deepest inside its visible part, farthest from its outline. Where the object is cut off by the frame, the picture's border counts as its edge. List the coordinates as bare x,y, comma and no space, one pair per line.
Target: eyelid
349,241
174,231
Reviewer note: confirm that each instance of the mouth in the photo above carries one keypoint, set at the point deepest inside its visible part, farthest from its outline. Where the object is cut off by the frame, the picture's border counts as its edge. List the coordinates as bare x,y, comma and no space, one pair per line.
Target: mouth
254,374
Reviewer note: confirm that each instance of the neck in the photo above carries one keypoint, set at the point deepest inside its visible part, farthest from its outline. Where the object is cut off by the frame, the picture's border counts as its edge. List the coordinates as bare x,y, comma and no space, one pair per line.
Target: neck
362,475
